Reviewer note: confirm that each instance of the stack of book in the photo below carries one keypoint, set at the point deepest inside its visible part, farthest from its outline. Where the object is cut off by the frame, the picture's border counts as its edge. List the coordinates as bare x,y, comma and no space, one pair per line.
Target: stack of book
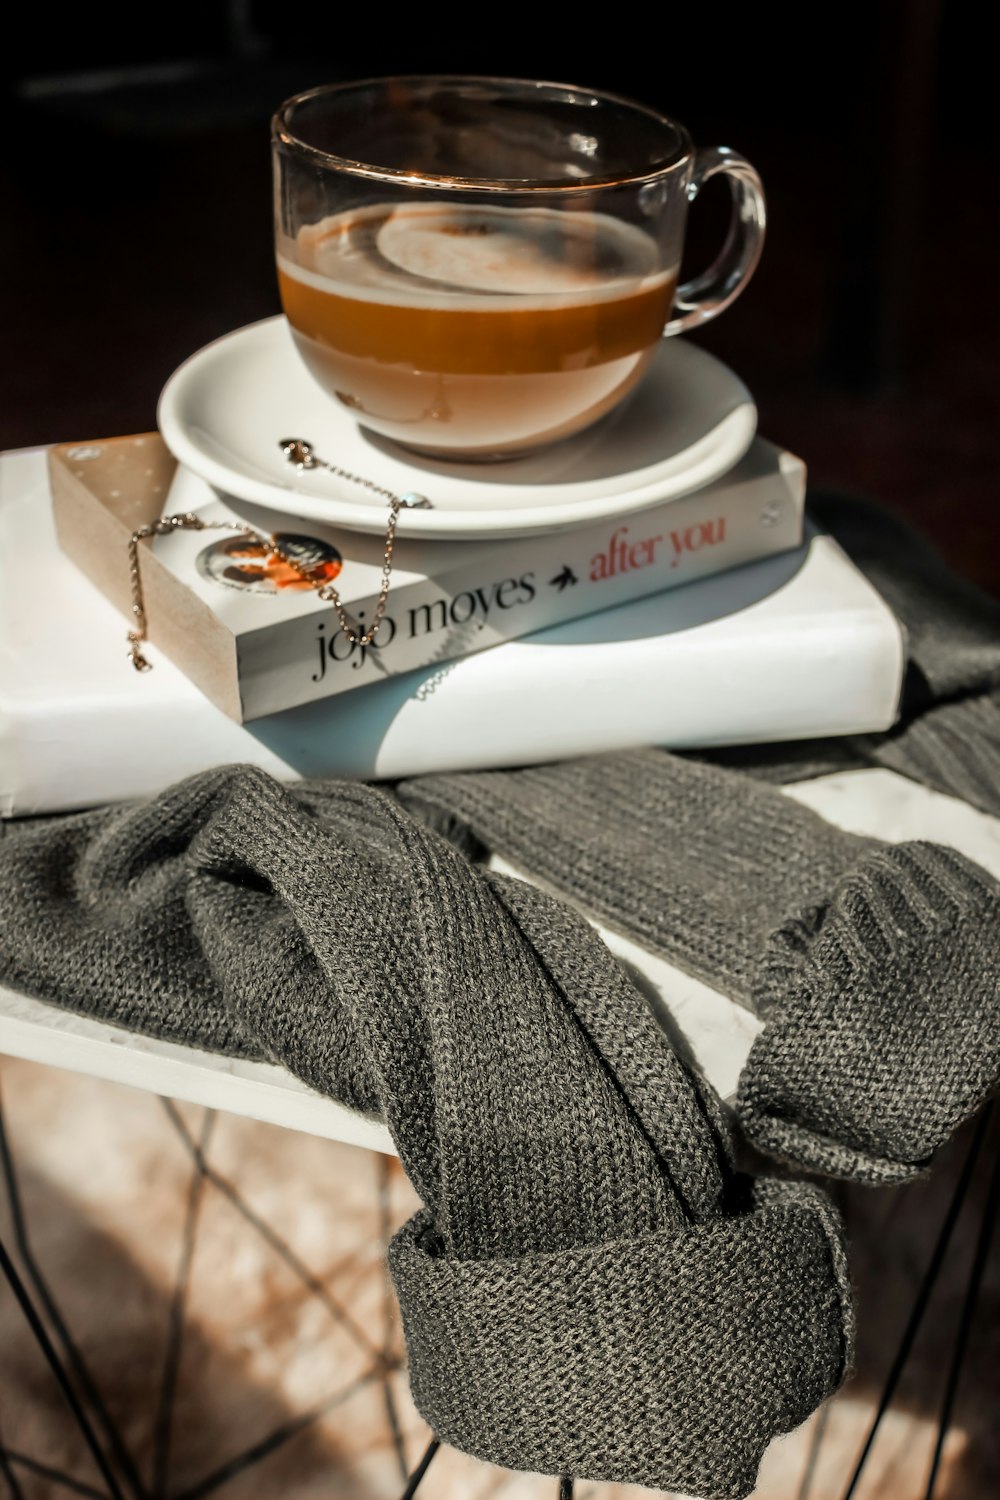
721,616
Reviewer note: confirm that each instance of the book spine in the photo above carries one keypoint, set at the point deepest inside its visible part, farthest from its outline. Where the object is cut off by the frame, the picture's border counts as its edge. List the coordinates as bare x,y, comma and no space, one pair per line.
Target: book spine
818,654
531,585
589,688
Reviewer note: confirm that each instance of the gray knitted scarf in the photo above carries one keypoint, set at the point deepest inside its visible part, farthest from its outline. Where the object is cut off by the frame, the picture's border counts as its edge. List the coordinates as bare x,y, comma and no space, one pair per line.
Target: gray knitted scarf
591,1287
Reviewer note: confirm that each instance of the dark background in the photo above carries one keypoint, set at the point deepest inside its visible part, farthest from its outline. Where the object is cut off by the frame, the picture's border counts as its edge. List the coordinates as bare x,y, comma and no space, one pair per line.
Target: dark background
136,193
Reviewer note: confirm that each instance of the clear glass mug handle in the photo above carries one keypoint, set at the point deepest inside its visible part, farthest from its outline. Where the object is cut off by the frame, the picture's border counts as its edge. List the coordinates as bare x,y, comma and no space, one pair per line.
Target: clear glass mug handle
705,296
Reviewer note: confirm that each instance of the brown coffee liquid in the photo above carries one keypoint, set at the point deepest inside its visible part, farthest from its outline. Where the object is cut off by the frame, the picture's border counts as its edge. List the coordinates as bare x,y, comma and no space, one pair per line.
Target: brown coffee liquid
471,331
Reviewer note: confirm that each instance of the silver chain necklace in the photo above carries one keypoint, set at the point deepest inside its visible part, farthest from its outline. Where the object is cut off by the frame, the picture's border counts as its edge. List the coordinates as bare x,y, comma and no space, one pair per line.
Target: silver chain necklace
301,455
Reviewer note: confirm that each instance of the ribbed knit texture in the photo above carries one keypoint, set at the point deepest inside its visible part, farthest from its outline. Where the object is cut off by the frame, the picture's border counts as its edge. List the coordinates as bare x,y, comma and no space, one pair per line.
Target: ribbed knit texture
952,747
876,968
590,1287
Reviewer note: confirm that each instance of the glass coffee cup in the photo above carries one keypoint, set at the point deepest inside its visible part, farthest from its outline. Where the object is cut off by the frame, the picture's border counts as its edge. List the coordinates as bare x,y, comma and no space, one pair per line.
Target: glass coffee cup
478,267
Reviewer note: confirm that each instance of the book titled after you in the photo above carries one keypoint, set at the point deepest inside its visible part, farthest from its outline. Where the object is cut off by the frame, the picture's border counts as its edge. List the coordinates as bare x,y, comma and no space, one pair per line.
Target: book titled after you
449,599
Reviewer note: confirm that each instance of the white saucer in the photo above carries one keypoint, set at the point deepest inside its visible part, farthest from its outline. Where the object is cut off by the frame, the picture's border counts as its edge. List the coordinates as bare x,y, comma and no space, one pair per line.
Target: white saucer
224,411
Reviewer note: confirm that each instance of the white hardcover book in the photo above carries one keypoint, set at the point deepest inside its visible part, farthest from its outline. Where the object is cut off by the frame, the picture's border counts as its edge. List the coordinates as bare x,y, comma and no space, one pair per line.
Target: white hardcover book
451,598
791,647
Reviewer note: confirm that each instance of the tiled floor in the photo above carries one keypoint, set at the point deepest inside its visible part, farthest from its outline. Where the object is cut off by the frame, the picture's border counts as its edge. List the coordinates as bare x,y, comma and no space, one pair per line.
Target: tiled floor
286,1373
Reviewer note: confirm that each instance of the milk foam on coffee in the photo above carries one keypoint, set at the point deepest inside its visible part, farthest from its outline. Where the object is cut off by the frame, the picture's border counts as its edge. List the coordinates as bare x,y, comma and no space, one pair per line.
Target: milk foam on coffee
470,330
429,252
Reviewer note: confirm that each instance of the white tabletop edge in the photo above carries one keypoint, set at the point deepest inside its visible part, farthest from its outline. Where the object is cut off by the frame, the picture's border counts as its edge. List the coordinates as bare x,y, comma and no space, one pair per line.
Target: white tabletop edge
39,1032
